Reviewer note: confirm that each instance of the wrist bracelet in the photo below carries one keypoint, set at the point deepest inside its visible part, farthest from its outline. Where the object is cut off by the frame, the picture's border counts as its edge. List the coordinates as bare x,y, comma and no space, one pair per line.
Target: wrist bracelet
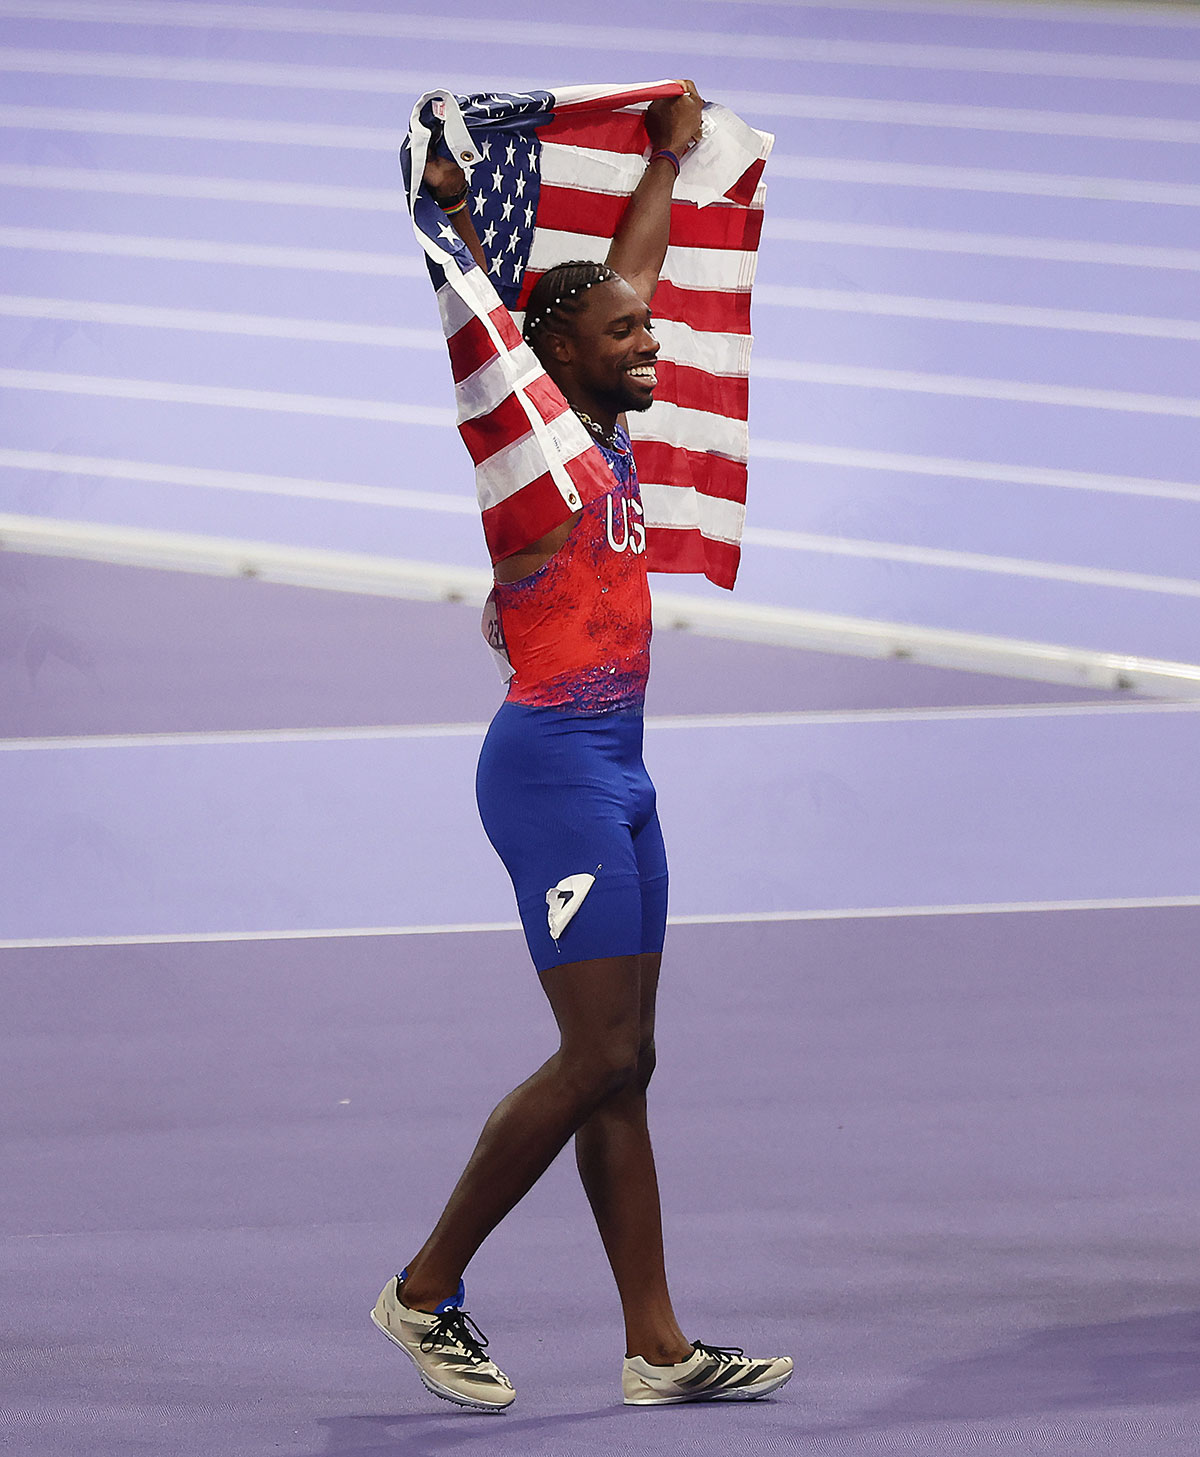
448,202
450,208
670,156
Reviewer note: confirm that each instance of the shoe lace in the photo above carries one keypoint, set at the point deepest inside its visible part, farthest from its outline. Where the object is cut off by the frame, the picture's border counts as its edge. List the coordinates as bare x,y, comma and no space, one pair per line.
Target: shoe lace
720,1353
457,1327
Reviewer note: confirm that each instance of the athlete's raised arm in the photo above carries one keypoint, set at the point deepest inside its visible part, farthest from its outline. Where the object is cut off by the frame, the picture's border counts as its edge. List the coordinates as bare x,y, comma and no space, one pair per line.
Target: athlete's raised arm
640,243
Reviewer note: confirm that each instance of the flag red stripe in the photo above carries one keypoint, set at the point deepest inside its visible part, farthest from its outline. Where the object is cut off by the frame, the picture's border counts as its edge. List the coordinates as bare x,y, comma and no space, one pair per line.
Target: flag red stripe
610,100
547,398
486,434
470,349
623,131
688,550
674,465
697,389
598,214
744,188
592,475
507,423
524,516
539,507
505,327
710,309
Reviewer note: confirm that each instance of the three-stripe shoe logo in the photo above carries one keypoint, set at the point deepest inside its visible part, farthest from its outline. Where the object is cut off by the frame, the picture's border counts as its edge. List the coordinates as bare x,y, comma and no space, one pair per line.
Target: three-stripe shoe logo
723,1372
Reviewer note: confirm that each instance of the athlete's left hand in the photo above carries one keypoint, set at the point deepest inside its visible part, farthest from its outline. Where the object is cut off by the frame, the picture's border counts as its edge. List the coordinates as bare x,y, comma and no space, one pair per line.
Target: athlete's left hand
673,122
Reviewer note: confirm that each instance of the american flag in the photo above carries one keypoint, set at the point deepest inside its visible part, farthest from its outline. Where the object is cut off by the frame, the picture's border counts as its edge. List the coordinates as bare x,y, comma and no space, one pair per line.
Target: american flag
550,175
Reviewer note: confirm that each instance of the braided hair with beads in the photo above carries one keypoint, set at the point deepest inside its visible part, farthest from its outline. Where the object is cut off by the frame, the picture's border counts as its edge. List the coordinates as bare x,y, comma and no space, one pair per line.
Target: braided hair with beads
560,294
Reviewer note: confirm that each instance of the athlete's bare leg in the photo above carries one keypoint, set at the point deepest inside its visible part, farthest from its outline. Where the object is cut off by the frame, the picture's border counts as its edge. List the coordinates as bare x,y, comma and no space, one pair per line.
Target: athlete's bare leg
598,1008
616,1164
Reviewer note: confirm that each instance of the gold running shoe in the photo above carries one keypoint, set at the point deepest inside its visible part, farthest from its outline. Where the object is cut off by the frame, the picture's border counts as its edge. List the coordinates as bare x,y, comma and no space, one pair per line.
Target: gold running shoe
446,1347
710,1373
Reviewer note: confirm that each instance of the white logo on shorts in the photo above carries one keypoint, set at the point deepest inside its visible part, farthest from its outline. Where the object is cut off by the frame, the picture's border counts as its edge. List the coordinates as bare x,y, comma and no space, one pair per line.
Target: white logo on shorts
564,899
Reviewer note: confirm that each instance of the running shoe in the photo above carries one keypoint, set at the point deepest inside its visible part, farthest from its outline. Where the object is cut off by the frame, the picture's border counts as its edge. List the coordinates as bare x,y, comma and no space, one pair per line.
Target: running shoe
710,1373
446,1347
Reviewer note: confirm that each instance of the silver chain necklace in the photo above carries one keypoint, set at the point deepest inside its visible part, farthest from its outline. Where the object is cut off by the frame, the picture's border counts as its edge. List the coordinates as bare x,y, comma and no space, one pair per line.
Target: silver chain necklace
607,439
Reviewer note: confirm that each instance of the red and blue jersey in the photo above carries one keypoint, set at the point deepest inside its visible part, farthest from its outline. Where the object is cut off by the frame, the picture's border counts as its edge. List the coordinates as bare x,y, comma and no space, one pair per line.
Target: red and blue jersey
577,631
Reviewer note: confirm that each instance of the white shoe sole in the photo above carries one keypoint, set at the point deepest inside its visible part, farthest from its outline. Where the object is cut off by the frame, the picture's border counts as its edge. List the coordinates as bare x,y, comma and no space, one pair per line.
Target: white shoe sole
745,1393
431,1385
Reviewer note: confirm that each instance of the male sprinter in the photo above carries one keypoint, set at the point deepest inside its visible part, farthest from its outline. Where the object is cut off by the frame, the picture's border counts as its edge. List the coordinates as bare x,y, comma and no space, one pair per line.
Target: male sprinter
566,802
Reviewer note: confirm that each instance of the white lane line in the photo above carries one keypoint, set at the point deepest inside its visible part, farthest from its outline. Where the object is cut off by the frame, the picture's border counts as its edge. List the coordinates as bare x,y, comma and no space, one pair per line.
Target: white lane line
982,179
800,718
217,189
828,300
378,139
115,468
451,31
847,376
792,230
718,918
123,65
297,487
834,375
983,245
198,128
205,321
941,116
970,561
1149,13
226,397
854,458
846,301
195,250
938,115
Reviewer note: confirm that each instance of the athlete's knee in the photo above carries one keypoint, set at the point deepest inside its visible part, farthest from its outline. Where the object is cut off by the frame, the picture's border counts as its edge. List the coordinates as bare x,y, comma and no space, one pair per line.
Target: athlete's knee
604,1069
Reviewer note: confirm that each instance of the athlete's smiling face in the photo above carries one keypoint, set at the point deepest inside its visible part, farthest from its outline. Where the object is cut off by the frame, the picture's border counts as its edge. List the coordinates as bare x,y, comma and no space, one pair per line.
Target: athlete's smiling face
606,362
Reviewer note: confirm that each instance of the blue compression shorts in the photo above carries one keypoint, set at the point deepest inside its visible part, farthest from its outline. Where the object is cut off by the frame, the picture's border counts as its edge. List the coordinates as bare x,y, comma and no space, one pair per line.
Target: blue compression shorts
565,797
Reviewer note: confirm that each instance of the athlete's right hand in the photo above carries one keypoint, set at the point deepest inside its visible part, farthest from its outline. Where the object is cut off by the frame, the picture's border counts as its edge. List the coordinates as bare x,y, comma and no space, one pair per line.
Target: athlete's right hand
443,176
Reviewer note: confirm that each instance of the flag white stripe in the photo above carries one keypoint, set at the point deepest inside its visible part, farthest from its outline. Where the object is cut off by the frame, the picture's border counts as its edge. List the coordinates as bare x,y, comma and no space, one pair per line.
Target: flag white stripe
510,470
455,312
721,270
691,429
489,387
671,506
609,173
717,353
